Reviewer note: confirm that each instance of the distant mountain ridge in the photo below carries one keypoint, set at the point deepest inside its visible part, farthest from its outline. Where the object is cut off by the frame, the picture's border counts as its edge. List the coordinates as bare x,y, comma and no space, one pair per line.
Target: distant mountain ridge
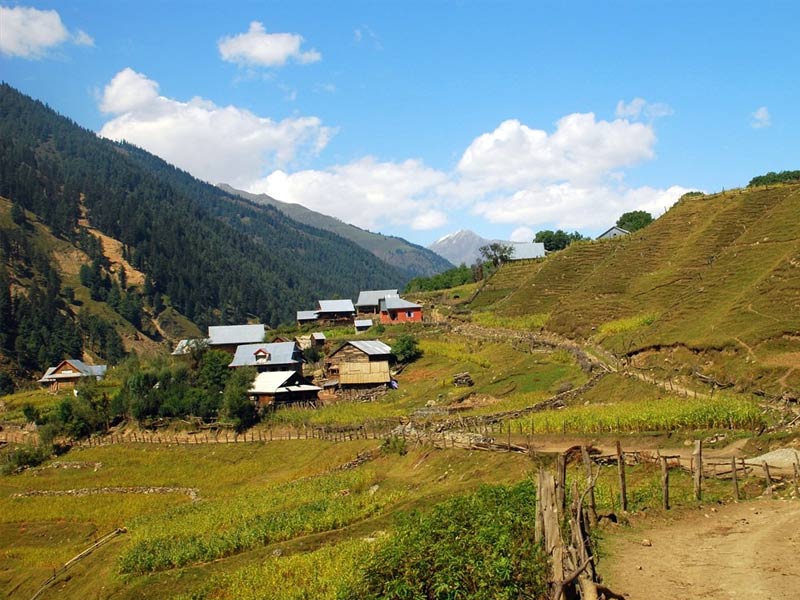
410,258
462,246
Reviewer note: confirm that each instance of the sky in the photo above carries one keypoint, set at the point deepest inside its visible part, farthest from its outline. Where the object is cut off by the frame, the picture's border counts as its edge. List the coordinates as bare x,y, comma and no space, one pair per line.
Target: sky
418,119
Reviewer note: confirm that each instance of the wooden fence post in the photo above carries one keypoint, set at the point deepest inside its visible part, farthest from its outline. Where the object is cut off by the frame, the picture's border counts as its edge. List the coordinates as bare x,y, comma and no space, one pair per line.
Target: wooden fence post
587,464
509,437
697,461
665,482
623,490
735,479
561,481
768,489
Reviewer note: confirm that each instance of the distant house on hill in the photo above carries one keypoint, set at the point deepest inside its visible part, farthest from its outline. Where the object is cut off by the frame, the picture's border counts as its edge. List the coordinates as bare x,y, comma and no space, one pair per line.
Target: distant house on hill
282,387
69,372
396,310
613,232
335,310
527,250
328,311
281,356
369,300
304,317
359,363
228,337
361,325
318,338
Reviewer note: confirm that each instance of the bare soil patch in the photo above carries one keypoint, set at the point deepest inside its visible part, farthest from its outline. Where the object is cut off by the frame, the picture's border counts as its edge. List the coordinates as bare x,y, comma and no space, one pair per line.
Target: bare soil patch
743,550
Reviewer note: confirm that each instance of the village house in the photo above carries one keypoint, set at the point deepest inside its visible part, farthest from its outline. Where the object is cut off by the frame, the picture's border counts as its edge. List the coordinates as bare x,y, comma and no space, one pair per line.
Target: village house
318,339
361,325
228,337
69,372
527,250
613,232
223,337
359,363
281,356
304,317
369,301
335,310
274,388
396,310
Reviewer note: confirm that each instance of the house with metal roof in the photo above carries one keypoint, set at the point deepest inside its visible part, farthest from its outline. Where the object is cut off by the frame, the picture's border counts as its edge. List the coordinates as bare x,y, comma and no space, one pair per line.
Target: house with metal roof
362,325
274,388
228,337
613,232
527,250
369,300
305,317
69,372
281,356
395,309
359,363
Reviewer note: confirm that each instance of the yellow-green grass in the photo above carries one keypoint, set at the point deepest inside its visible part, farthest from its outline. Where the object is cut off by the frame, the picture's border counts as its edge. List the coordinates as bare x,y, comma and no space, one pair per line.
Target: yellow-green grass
640,416
318,574
532,322
719,271
627,324
40,532
513,378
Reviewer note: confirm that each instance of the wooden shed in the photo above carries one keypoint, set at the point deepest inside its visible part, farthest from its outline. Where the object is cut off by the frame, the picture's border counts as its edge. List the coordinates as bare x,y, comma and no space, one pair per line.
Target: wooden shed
357,363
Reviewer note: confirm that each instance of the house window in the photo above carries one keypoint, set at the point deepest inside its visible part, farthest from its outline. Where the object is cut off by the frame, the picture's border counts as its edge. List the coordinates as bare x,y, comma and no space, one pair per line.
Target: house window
409,314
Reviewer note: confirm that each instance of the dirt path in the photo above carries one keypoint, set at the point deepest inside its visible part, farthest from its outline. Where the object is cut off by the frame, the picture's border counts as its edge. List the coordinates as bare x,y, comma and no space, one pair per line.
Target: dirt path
744,550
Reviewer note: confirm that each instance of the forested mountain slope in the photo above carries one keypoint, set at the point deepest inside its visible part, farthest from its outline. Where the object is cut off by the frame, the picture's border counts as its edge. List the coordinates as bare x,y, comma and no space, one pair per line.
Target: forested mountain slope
712,286
414,260
210,256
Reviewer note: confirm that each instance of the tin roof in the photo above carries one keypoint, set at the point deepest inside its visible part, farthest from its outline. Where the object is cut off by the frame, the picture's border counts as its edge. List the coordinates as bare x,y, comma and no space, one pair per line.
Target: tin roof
524,250
336,306
372,297
363,323
397,303
276,382
307,315
223,335
373,348
318,335
81,368
279,353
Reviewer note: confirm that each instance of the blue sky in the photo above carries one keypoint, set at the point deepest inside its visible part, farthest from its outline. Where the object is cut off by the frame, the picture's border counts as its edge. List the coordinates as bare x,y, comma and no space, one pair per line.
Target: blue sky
420,118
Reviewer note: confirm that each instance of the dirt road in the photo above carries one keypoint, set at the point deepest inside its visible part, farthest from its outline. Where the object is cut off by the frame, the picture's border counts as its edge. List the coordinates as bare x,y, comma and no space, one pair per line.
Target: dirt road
746,550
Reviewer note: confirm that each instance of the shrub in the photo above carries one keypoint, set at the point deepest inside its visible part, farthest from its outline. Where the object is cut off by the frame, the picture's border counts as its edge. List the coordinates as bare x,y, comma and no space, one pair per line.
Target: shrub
25,456
406,349
478,546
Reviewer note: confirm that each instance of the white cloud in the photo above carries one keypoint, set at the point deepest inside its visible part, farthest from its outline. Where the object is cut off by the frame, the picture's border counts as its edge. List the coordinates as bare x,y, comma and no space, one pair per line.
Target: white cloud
568,206
30,33
81,38
581,148
761,118
215,143
522,234
365,192
639,107
259,48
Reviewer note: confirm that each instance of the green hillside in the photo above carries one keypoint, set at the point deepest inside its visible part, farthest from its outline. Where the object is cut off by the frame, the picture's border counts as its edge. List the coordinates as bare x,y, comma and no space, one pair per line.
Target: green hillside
713,285
410,258
211,257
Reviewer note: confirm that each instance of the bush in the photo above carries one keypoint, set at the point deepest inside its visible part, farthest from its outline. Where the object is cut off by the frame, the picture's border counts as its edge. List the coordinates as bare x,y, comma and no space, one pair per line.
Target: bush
394,445
26,456
478,546
406,349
